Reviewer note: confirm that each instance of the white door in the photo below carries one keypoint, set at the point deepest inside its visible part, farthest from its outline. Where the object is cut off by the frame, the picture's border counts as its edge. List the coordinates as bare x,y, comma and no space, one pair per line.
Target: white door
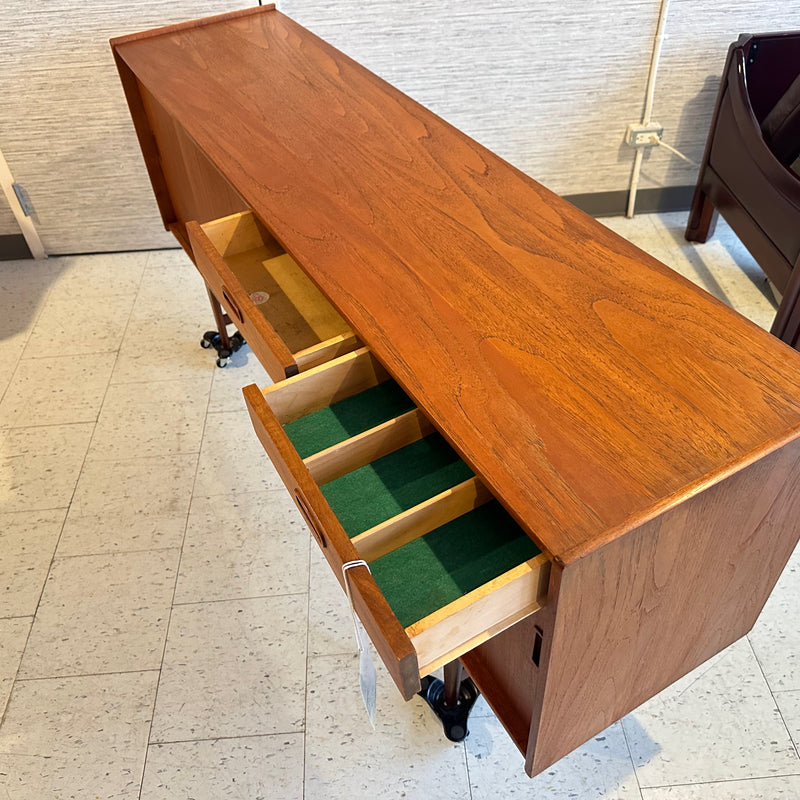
65,129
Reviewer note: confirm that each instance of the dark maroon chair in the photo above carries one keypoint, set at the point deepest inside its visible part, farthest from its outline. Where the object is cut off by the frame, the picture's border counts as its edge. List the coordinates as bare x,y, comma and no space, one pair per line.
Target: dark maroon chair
747,174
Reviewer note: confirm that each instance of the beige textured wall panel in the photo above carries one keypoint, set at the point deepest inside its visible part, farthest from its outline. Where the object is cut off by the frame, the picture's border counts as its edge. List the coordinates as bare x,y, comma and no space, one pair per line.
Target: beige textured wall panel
65,128
697,39
548,86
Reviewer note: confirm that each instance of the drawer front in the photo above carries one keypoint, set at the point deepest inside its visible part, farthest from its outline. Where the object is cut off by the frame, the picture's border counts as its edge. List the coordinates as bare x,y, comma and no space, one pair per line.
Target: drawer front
288,324
374,481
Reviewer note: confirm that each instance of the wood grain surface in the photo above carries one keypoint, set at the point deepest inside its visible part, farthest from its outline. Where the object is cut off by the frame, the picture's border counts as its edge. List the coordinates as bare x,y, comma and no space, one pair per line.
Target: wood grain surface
638,614
588,385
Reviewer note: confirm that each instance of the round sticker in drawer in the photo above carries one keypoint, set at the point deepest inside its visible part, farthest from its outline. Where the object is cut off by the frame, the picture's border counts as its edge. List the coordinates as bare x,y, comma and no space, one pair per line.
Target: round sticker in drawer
259,298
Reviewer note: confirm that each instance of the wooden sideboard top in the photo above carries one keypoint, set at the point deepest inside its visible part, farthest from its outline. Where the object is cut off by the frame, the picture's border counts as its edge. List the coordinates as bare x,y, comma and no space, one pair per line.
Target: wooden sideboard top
589,385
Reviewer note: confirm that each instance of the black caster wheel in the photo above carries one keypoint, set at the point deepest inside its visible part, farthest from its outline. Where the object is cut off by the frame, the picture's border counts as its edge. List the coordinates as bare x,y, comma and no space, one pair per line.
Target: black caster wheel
207,342
222,362
237,340
454,720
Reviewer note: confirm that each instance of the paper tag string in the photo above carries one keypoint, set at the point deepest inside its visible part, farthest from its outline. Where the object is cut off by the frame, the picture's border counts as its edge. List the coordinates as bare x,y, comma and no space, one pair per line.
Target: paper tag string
368,678
345,567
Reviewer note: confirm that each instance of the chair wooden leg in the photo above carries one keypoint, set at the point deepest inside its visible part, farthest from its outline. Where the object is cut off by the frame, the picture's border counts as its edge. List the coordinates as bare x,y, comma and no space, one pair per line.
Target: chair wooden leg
702,217
787,321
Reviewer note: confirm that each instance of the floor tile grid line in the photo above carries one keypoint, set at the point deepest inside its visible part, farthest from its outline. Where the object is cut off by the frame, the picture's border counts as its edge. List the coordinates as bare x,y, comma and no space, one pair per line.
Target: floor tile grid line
30,629
795,744
172,602
47,576
84,675
68,506
97,416
699,673
74,488
40,310
311,546
466,767
132,319
31,326
6,701
237,598
82,354
11,377
725,782
630,758
237,737
32,616
17,359
186,523
115,553
53,425
794,741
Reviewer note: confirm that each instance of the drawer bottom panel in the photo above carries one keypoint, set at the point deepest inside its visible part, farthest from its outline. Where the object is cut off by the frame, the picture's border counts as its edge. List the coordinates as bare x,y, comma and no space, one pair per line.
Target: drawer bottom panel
437,569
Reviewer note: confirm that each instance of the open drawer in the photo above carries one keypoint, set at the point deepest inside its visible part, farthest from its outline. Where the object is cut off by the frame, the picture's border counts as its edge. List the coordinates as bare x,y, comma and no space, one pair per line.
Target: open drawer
449,568
285,319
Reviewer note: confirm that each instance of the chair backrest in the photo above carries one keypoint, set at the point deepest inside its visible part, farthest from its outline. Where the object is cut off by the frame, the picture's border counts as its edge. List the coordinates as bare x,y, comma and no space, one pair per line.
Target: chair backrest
773,86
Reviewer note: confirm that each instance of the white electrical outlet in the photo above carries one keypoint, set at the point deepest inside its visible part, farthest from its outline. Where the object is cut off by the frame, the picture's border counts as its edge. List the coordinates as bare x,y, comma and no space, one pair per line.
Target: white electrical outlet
644,135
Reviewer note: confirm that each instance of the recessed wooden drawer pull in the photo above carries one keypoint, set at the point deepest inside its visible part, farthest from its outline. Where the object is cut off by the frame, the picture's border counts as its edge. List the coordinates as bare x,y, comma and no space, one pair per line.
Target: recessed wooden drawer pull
308,516
231,304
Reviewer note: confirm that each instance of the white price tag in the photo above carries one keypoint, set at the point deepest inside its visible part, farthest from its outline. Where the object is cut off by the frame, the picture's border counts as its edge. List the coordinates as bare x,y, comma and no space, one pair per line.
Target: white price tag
367,676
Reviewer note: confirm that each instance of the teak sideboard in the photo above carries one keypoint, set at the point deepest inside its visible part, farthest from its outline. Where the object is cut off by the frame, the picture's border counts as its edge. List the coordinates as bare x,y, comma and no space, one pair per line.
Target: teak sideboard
566,465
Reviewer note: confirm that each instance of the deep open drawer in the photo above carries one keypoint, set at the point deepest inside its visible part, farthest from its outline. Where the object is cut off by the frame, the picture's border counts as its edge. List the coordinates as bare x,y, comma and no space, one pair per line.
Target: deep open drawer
285,319
375,481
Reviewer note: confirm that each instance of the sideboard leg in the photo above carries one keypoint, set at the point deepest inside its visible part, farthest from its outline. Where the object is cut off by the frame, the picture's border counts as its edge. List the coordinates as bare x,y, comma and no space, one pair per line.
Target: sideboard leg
224,345
451,699
453,673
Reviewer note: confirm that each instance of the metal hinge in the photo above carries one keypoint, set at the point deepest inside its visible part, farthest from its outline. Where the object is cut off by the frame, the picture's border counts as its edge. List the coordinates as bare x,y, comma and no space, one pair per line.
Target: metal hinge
23,199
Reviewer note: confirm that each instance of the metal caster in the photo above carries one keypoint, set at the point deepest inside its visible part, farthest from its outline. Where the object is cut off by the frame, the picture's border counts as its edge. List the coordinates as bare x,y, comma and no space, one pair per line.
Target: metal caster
237,340
454,719
212,339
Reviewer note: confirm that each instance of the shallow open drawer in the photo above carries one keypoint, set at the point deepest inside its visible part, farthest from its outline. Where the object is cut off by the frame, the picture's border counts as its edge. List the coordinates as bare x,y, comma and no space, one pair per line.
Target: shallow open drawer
285,319
449,568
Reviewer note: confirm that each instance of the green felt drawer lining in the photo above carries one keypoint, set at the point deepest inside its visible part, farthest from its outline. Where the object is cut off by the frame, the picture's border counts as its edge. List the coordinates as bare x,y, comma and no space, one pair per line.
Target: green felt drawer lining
392,484
438,568
428,573
347,418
